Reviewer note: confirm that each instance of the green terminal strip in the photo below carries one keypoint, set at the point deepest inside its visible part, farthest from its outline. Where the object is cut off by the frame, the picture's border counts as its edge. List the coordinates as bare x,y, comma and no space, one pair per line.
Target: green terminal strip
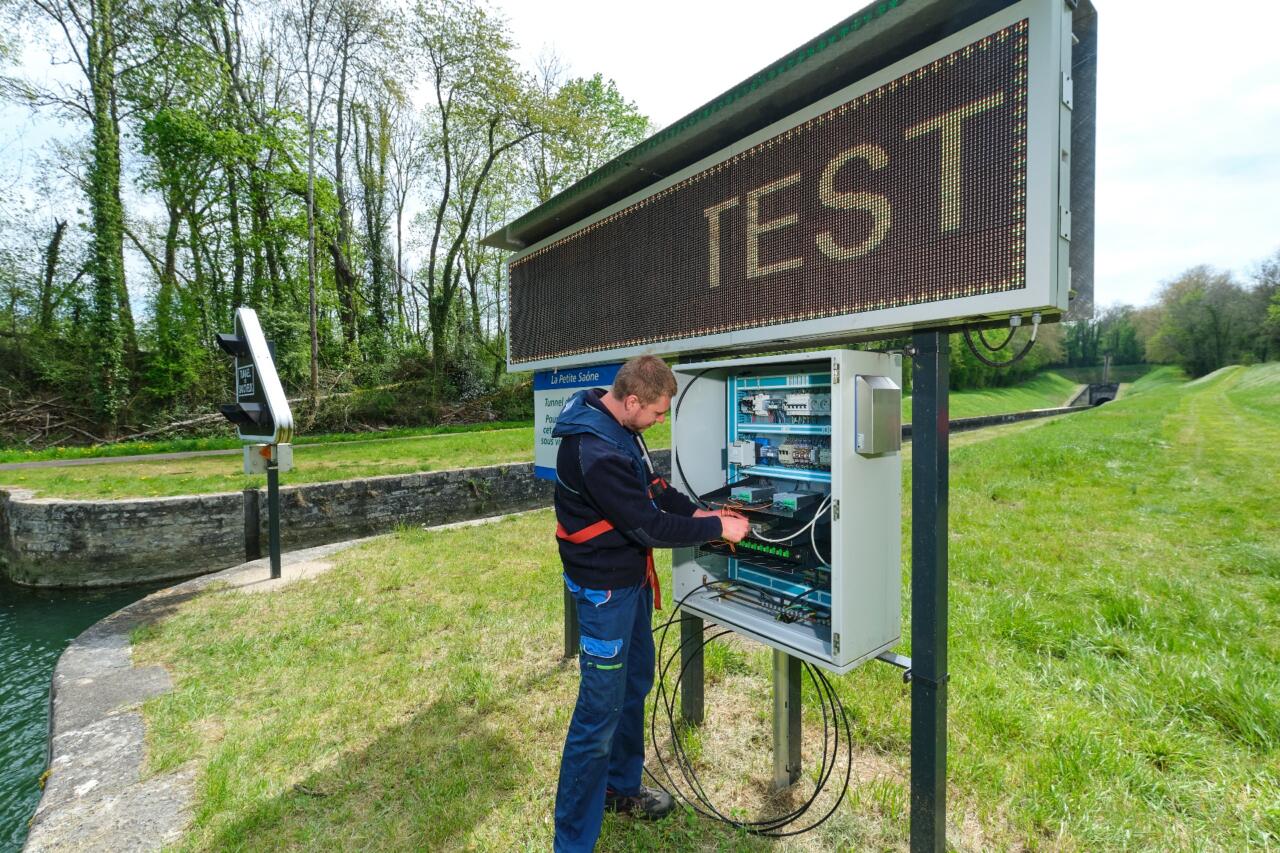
766,549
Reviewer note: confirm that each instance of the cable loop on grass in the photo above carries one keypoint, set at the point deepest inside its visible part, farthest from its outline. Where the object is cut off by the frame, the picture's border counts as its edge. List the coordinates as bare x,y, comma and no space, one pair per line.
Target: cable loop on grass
835,730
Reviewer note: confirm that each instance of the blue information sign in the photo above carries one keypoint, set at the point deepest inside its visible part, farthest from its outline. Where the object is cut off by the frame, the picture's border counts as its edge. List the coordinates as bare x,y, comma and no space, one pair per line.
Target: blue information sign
551,390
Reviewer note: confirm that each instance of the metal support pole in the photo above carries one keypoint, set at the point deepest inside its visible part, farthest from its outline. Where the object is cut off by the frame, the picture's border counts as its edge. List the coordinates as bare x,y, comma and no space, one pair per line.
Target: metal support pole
692,679
571,638
252,526
273,513
930,478
786,720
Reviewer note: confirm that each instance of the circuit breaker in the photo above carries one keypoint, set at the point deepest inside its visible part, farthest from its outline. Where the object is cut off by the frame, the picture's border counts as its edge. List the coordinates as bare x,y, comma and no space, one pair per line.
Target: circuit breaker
807,446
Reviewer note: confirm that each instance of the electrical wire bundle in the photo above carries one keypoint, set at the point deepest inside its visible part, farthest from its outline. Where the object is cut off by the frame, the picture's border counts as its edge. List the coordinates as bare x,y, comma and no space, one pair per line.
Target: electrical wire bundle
811,527
1014,322
685,784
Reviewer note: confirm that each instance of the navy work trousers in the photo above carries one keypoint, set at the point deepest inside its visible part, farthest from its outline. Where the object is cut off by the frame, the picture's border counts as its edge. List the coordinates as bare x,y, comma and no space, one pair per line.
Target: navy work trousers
605,744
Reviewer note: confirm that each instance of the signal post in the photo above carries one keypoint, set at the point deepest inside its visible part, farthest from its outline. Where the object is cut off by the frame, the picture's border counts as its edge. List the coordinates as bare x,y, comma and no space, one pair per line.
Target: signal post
261,414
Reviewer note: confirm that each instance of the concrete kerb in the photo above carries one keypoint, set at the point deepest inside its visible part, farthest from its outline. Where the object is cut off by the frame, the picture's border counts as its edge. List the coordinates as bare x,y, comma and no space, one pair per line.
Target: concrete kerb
94,795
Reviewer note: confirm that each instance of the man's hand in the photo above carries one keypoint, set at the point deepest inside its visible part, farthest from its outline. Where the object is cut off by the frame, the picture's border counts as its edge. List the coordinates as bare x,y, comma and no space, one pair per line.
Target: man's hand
733,527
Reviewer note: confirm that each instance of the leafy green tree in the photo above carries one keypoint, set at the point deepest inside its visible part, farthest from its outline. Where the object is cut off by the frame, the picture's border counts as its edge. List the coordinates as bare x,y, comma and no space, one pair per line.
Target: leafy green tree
1266,297
96,32
1205,321
184,154
589,123
483,108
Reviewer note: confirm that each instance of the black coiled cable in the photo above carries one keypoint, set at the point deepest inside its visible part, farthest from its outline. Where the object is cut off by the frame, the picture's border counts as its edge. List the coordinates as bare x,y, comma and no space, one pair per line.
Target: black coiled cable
835,728
989,362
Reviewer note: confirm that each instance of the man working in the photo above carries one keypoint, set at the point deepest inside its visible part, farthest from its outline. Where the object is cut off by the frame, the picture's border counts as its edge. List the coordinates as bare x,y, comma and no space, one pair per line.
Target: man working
612,510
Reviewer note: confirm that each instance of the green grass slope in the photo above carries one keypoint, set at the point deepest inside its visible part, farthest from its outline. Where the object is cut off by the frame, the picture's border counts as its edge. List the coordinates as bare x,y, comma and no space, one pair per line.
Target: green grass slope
1115,587
1045,391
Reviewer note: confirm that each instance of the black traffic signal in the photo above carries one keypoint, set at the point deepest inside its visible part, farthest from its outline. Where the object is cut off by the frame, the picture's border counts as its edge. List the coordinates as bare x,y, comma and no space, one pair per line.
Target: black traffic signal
261,411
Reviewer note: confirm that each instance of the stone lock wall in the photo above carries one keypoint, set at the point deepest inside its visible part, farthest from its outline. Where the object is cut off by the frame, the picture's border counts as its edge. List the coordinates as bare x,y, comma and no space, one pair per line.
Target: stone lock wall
49,542
59,543
321,513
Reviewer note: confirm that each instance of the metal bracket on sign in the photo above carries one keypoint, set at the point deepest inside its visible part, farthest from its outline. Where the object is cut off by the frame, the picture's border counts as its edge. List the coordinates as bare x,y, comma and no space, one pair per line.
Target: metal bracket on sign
900,661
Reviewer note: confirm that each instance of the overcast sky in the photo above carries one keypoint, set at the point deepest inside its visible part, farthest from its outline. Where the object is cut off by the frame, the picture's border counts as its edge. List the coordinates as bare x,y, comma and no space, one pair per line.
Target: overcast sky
1188,108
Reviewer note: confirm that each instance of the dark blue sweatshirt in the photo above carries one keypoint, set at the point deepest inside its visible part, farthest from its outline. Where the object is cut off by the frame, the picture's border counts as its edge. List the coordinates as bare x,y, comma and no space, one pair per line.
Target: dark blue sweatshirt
602,472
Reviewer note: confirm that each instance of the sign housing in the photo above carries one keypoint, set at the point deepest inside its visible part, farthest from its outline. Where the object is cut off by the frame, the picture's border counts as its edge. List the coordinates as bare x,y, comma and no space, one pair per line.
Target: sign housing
934,192
261,411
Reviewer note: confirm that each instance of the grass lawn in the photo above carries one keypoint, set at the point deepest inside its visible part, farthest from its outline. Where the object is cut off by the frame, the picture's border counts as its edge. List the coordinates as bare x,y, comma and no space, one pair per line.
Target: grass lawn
1115,587
325,458
230,442
313,463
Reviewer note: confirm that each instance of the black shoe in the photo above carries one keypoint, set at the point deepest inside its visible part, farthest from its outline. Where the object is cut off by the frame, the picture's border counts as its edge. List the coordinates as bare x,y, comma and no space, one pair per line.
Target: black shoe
649,804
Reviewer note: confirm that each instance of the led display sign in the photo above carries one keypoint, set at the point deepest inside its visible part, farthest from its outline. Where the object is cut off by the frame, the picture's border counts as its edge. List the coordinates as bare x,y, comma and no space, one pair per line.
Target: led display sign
899,202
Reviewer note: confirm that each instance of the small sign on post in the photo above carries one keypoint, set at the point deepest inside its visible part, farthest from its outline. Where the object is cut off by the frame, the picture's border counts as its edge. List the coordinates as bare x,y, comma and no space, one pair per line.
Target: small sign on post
261,414
261,411
551,390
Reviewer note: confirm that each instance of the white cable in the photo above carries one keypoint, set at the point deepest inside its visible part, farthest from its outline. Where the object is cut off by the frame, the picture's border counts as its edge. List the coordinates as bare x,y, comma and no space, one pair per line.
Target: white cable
816,515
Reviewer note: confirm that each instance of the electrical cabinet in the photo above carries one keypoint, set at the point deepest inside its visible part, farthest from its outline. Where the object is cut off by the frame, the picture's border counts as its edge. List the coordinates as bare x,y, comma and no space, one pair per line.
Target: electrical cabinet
807,446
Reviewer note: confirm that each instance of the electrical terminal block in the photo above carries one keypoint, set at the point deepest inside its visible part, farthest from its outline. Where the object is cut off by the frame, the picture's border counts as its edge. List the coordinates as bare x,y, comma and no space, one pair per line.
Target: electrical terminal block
803,455
807,404
795,501
751,494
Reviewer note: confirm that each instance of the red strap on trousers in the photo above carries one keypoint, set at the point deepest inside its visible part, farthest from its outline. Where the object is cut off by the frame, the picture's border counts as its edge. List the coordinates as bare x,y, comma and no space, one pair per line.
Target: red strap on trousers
591,531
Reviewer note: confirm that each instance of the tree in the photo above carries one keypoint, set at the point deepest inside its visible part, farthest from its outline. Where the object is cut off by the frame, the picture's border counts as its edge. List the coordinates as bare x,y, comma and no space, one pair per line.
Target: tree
313,24
588,124
96,34
409,155
483,108
1204,322
357,29
1266,306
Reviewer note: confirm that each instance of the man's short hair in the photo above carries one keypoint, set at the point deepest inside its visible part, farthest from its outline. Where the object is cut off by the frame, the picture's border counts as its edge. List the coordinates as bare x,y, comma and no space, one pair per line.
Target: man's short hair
646,376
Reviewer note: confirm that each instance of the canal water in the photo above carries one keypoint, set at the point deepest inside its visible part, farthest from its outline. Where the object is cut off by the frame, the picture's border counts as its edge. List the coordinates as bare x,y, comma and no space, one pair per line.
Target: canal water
35,627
